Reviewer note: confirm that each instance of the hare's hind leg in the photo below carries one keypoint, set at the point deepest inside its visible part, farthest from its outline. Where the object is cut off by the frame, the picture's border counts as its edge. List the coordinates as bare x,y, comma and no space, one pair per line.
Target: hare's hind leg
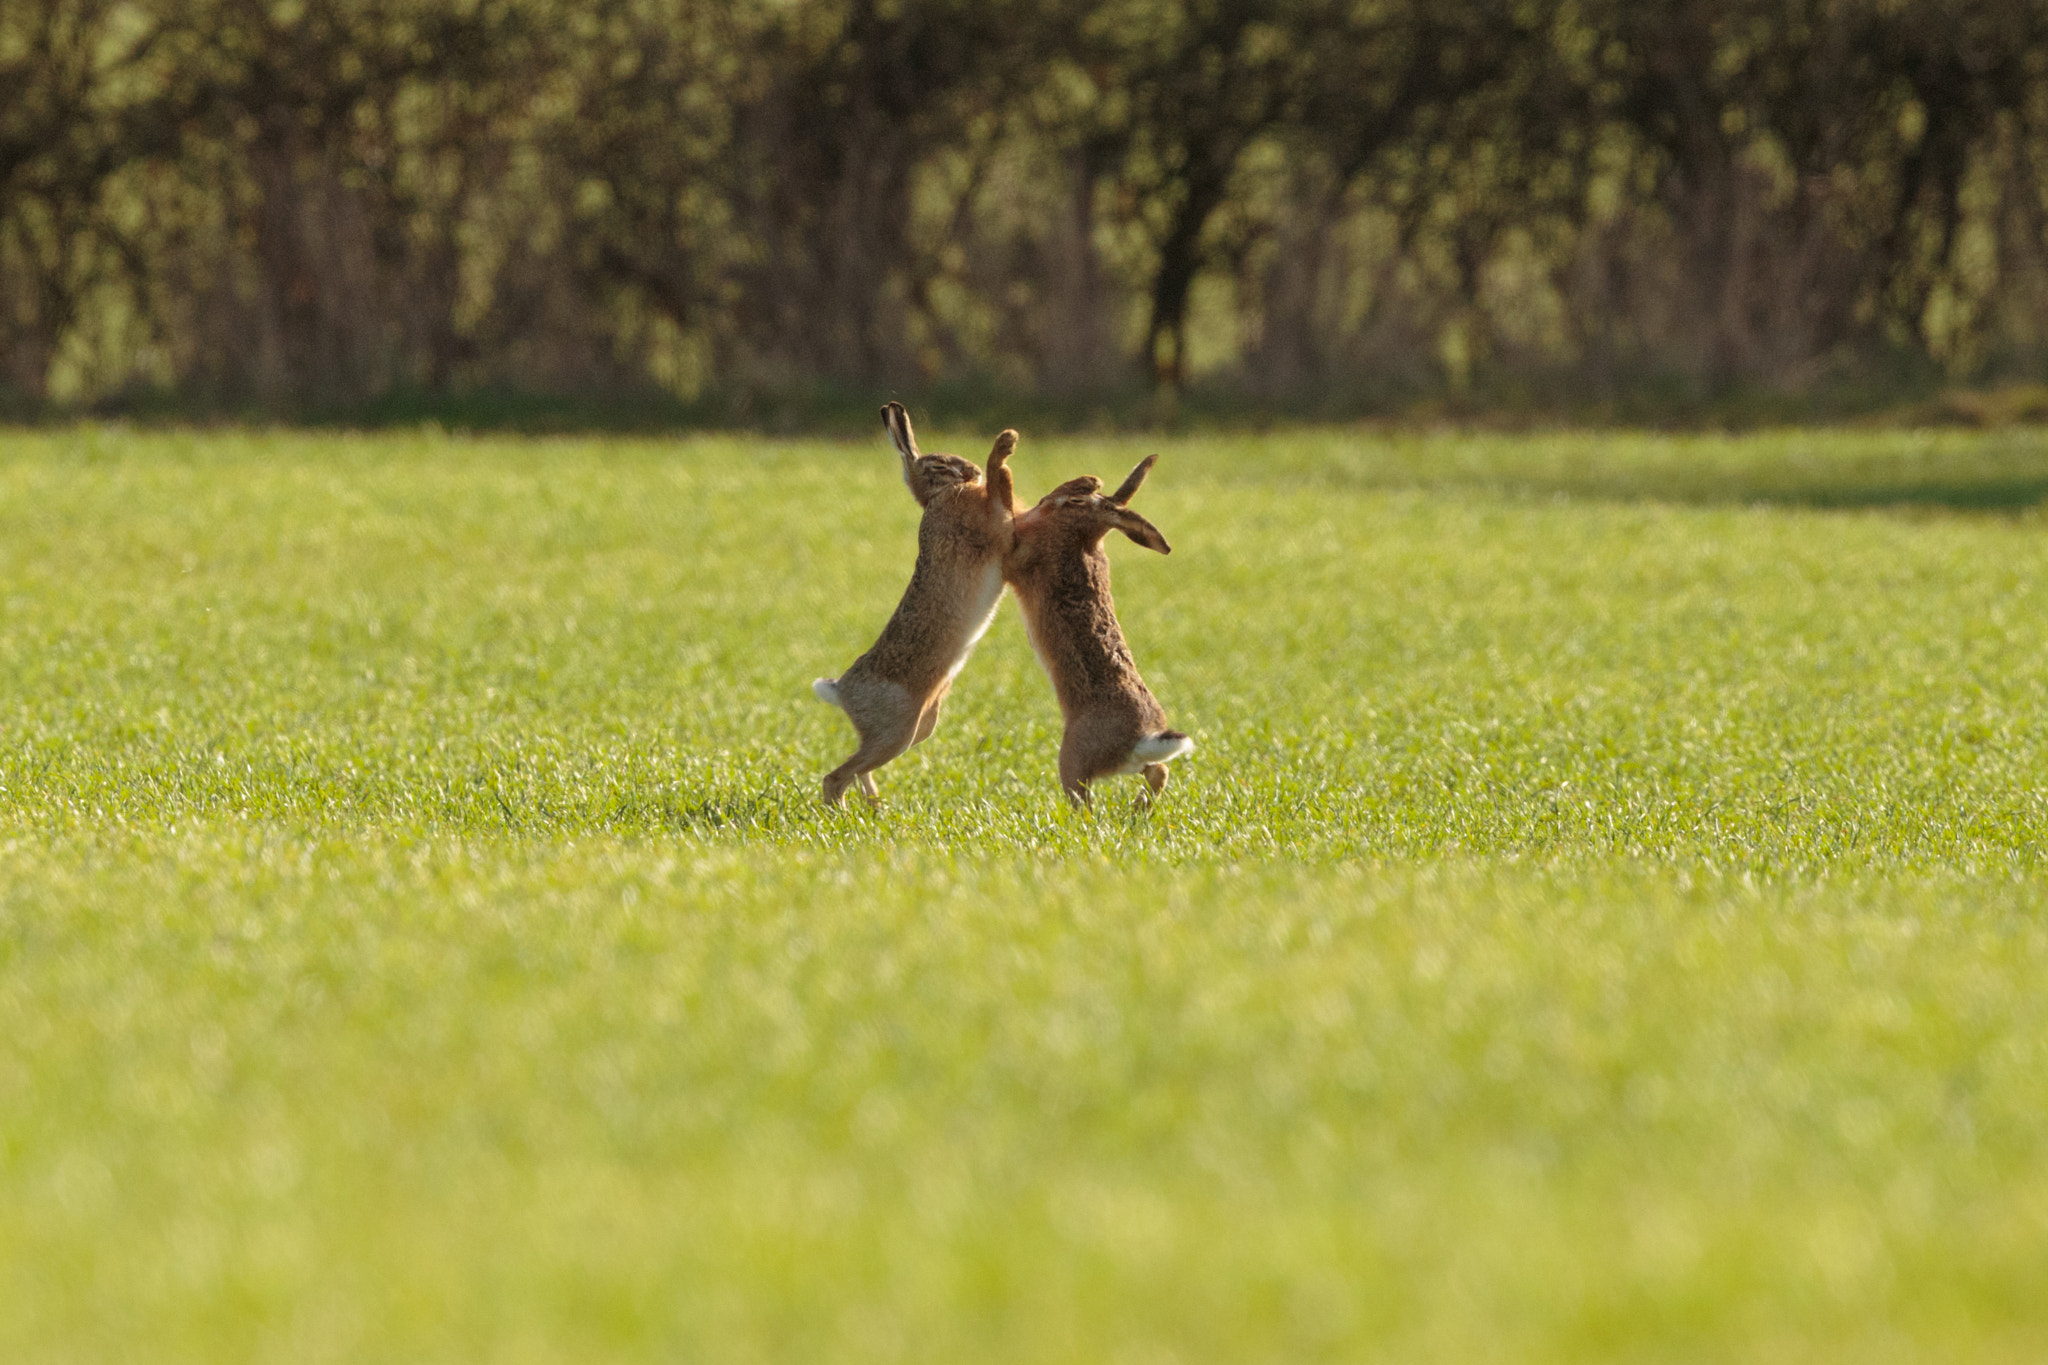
839,779
1155,783
1094,746
1150,755
1074,777
859,769
886,718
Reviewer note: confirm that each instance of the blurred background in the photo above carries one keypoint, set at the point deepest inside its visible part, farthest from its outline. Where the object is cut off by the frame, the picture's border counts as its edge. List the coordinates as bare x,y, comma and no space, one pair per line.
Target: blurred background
773,210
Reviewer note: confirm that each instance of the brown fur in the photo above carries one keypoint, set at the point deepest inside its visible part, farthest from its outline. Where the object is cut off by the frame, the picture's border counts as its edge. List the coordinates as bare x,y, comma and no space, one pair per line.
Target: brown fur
893,692
1061,576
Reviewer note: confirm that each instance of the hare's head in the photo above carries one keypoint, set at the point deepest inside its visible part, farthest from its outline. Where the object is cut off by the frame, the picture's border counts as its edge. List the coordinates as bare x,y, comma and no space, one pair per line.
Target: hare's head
927,476
1079,508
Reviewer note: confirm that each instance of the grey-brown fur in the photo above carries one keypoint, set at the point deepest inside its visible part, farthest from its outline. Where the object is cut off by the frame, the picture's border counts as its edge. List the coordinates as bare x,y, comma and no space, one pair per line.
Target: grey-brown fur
893,692
1060,574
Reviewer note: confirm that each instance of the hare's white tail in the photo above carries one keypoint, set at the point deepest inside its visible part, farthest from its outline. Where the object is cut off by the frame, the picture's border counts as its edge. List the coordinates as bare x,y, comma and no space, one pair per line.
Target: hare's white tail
1162,747
827,690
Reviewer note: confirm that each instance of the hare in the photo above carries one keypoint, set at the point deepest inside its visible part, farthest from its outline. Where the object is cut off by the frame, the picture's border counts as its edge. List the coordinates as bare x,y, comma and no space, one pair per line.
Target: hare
1061,576
892,693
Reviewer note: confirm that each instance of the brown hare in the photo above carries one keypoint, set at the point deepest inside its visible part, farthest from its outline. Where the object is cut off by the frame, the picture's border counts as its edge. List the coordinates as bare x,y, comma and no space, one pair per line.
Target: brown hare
892,693
1061,576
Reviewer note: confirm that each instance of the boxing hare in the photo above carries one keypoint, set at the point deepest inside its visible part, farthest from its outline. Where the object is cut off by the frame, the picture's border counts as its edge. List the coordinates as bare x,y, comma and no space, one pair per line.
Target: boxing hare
892,693
1061,576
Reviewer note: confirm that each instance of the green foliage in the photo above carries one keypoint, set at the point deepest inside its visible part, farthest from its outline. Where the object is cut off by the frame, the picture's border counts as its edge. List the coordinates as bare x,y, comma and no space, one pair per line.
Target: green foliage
1601,920
314,206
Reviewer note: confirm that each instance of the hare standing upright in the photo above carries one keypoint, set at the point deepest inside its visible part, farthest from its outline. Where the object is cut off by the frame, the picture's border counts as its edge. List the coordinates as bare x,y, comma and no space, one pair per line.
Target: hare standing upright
892,693
1113,722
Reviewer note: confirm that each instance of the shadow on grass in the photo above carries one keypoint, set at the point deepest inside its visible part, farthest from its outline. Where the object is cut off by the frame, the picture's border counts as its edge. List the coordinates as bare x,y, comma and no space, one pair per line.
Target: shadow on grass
1672,445
1896,388
1990,495
2001,475
526,806
727,813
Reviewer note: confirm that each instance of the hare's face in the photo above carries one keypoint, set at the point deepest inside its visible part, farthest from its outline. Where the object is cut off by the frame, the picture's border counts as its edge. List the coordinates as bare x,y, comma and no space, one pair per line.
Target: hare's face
930,475
1078,510
1067,510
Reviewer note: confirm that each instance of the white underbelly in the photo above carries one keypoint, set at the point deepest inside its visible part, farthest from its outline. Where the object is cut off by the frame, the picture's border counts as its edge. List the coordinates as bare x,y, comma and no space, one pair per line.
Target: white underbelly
981,612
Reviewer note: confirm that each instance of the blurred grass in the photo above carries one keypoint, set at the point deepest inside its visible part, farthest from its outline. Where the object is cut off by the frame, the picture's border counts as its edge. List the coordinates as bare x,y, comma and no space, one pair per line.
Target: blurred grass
1603,919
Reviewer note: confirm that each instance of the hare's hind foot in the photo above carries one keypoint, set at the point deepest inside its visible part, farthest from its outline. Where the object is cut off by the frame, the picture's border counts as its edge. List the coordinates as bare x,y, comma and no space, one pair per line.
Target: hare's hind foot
886,719
855,772
1155,783
838,780
1155,780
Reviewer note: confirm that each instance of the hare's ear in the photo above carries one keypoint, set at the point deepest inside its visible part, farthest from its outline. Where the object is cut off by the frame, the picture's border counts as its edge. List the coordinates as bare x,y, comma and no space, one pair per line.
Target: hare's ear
1130,486
897,420
1140,530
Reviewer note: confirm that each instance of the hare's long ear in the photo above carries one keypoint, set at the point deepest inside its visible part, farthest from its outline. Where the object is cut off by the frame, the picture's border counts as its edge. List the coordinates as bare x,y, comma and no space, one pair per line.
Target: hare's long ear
1130,484
1082,487
897,420
1139,529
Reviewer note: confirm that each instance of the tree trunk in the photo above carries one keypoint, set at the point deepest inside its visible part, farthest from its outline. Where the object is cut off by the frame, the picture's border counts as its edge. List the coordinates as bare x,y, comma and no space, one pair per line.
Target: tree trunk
1180,258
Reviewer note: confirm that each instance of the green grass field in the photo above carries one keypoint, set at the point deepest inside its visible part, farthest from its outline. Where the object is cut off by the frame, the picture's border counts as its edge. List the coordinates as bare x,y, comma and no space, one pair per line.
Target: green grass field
1606,918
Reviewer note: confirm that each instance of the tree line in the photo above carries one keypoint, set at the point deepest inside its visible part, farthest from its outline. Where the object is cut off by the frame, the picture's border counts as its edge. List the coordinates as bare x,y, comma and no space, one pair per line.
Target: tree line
293,202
